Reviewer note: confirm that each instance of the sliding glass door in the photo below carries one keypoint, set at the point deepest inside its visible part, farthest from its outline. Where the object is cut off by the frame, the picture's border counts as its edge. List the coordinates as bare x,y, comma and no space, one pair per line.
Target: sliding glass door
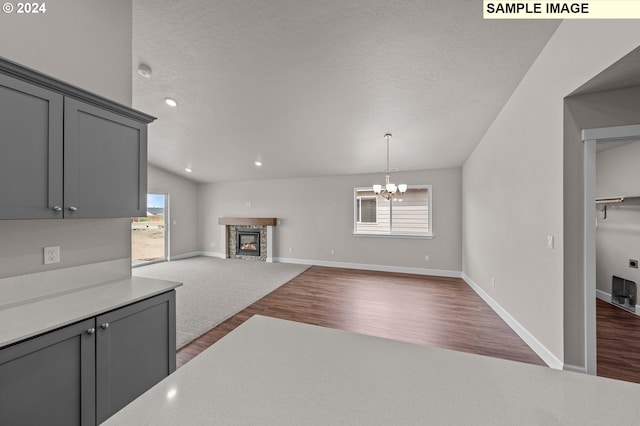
149,233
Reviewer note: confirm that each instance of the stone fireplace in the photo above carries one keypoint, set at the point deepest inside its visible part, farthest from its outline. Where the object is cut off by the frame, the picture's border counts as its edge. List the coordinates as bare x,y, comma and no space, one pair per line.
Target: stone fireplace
249,238
247,242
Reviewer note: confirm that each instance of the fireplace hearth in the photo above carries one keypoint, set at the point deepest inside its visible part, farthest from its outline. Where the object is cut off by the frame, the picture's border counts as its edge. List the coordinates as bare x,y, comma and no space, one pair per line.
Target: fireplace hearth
248,243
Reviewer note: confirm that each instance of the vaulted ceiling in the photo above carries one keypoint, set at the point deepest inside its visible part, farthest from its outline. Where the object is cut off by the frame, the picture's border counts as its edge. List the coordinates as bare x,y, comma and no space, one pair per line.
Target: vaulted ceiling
309,87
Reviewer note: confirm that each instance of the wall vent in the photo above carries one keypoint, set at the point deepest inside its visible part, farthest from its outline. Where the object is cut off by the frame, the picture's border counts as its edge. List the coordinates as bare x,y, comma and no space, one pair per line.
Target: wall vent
624,293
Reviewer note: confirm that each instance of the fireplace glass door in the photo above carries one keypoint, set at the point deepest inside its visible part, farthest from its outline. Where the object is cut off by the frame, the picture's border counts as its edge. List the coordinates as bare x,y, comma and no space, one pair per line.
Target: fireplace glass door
248,243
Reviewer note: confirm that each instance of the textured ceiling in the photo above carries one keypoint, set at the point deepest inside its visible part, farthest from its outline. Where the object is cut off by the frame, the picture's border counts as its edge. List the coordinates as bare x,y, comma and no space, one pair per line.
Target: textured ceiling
310,87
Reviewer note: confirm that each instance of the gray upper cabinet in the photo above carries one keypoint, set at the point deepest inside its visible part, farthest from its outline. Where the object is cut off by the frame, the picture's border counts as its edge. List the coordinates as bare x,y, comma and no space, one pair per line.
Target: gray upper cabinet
31,147
105,157
67,153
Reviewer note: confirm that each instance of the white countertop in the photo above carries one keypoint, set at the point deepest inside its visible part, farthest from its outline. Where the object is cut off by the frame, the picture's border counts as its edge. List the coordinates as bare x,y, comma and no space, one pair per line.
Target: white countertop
276,372
29,319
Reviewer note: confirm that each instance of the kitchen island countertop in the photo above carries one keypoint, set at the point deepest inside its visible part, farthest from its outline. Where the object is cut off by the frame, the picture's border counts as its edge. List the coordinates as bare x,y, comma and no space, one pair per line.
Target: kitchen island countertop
275,372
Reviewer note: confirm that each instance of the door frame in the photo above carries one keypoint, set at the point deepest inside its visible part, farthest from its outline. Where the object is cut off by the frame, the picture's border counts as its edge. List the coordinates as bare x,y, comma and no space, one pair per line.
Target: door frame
167,222
590,138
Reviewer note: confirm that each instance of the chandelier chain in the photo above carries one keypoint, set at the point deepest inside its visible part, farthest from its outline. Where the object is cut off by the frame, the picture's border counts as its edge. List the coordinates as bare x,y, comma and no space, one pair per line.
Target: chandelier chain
389,189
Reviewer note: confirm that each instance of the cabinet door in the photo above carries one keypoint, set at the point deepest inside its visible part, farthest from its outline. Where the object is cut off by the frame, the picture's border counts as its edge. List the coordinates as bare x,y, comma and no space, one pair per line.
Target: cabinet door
105,163
30,151
135,349
50,379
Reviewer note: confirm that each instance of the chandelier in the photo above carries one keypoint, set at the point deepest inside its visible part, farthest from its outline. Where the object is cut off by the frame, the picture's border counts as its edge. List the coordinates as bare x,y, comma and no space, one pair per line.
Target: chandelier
389,189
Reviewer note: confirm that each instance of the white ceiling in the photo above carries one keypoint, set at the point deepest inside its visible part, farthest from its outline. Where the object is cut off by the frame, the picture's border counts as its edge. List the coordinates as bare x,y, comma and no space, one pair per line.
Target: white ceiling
309,87
621,74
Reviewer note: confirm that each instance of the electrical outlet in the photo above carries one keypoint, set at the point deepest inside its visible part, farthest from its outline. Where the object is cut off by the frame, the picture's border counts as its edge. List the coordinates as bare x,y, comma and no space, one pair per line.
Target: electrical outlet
333,251
51,255
493,282
426,257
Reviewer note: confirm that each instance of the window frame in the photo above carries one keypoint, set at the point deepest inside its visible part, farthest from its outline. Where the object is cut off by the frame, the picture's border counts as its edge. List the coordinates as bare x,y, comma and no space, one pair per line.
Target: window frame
425,235
358,208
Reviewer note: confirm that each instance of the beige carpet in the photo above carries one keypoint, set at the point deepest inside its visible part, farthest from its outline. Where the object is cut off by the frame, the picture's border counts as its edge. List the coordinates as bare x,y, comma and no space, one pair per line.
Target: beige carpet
215,289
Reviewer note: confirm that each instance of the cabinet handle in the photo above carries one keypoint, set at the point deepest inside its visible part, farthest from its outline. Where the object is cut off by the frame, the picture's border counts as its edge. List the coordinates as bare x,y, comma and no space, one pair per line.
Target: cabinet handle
91,330
73,209
57,208
104,326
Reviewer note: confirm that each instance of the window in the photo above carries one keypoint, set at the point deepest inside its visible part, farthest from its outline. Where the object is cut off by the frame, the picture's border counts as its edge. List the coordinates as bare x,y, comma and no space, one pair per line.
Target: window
407,214
367,209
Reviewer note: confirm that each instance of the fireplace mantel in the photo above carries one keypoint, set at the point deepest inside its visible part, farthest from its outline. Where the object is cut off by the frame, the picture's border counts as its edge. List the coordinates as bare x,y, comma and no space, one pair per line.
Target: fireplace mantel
259,221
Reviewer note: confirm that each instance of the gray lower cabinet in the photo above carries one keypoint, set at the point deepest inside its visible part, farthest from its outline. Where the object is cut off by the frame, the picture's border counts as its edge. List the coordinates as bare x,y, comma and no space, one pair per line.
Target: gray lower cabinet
83,373
67,153
50,380
134,351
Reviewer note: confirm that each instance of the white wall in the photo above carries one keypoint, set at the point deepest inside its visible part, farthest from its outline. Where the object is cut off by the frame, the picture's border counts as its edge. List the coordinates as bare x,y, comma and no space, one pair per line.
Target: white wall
183,213
513,182
618,236
87,44
84,42
316,216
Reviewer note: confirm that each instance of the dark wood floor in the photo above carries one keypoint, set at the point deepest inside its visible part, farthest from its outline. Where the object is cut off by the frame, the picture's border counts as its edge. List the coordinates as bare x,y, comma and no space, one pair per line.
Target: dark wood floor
426,310
435,311
618,342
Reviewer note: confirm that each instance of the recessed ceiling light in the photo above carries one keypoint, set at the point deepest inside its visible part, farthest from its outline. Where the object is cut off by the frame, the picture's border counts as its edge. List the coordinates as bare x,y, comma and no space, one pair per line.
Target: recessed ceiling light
258,163
188,170
144,70
171,102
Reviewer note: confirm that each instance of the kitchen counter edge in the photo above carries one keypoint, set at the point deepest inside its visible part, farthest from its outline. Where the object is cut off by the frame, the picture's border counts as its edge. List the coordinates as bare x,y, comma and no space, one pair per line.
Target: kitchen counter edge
33,318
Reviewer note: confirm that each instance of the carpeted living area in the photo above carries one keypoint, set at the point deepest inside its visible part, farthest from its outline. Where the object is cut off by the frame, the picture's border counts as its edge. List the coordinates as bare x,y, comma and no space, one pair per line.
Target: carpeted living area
215,289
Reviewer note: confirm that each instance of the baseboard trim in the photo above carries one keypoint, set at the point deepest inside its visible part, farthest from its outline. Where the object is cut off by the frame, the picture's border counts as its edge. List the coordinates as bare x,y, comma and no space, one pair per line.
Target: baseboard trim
603,295
348,265
371,267
211,254
575,369
547,356
185,255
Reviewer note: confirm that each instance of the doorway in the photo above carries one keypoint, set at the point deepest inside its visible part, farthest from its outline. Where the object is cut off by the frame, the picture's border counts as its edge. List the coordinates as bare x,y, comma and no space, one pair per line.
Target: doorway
591,139
149,234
